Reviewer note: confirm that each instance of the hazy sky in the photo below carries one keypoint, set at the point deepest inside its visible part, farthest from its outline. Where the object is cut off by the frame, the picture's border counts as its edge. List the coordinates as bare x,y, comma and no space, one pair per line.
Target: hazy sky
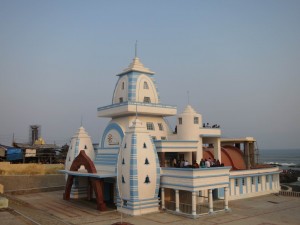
239,60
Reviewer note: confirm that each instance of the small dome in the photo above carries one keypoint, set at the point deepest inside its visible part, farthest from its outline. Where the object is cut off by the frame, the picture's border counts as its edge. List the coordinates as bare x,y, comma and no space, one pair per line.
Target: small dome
39,141
189,110
81,133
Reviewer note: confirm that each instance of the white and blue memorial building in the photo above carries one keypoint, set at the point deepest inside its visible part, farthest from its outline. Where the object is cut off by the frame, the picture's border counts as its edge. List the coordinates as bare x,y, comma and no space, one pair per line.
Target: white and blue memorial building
142,165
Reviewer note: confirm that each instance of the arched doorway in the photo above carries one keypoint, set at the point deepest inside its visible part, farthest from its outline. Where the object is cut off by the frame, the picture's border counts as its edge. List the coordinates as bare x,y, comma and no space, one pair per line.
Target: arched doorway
96,184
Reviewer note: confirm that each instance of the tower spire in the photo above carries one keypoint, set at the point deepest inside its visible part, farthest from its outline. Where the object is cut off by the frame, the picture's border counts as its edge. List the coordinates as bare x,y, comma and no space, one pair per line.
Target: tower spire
135,49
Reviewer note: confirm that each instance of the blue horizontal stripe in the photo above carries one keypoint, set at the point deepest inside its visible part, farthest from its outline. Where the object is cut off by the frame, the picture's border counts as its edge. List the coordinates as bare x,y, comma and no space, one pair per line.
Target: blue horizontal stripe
193,186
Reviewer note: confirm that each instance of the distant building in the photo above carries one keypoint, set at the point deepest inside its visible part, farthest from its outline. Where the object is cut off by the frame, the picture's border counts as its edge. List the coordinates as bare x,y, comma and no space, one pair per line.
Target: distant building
9,153
142,165
38,152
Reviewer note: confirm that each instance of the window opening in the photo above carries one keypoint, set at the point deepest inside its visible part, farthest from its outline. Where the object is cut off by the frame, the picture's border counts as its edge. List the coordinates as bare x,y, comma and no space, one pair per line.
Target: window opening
123,161
150,126
147,100
123,180
180,120
160,126
196,120
145,146
146,85
146,161
121,100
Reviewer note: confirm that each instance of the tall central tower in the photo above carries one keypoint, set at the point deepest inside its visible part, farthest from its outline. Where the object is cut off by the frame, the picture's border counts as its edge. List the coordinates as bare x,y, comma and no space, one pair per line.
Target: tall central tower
135,93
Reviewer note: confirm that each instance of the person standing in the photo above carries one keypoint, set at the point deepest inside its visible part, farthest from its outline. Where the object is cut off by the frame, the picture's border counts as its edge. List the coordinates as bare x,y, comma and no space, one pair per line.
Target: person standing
207,163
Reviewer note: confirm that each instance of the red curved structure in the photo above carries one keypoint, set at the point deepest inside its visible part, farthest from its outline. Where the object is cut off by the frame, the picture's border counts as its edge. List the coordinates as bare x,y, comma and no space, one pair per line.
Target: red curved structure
231,156
83,160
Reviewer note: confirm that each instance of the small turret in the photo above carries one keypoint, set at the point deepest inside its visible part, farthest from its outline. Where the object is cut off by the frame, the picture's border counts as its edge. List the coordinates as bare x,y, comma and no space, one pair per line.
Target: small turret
80,141
188,124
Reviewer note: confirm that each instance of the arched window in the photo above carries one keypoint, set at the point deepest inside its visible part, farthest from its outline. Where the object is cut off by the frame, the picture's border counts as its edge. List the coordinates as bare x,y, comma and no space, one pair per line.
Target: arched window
123,180
85,147
123,161
147,180
125,145
146,85
146,161
123,85
145,146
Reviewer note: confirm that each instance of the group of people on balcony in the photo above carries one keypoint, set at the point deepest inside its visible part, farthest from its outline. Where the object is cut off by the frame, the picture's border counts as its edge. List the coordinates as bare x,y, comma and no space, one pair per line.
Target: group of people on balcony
204,163
206,125
207,163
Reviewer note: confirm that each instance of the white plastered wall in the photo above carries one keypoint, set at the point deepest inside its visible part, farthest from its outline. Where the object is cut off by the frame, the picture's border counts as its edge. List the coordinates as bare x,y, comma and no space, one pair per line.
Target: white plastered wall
150,92
119,91
124,122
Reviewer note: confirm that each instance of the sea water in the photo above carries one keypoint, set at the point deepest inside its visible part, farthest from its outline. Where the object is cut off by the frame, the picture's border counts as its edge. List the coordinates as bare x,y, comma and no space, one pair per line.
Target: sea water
282,157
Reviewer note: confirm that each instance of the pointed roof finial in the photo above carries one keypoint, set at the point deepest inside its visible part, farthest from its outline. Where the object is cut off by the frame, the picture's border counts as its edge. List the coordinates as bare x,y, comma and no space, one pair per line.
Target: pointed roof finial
81,120
188,96
135,49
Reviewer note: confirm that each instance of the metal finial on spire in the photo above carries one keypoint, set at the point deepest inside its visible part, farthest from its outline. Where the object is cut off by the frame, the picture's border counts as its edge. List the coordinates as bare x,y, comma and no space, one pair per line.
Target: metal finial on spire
188,96
81,120
135,49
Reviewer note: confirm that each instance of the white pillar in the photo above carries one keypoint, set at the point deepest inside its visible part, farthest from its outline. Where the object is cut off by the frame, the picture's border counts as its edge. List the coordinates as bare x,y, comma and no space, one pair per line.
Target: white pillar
177,200
226,198
162,193
232,186
263,183
194,203
217,149
210,201
199,151
267,182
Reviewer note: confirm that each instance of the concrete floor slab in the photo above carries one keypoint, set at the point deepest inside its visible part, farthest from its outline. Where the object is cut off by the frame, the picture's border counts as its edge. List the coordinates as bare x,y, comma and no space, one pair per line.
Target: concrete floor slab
49,208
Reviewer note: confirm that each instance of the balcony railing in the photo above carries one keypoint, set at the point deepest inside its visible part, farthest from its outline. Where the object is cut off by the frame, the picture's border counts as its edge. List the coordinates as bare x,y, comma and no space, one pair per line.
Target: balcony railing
202,208
170,205
136,103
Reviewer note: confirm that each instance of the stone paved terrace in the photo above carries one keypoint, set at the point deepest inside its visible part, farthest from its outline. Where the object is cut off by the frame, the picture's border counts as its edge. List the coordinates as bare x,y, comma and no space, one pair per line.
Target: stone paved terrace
48,208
